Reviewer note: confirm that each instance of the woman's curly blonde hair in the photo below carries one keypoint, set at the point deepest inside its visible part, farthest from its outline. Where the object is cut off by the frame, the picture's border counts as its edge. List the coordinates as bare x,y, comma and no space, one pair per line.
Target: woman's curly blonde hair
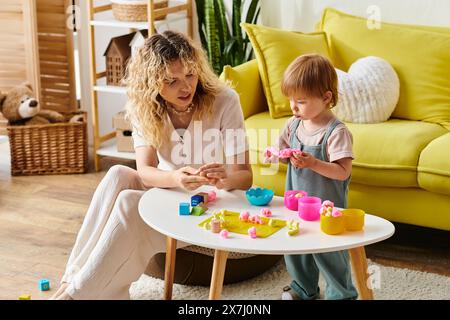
146,109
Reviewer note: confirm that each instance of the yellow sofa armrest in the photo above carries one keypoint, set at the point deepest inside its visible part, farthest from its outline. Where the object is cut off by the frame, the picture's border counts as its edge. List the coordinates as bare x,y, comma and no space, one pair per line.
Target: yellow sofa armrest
247,83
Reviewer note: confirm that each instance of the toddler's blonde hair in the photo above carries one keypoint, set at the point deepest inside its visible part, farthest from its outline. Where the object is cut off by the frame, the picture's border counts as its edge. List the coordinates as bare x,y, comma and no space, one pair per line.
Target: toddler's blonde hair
310,75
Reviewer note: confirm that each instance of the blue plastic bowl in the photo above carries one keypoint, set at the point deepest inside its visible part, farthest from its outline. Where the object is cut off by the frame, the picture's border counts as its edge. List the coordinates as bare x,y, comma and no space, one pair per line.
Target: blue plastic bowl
259,196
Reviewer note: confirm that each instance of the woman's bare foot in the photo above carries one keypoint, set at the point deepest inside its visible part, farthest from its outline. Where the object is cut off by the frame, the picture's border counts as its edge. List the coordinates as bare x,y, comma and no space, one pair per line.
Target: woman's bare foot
64,296
60,291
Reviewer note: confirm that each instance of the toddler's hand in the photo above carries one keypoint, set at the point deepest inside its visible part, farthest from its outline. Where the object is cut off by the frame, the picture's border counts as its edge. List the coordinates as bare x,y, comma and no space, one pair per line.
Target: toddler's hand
303,160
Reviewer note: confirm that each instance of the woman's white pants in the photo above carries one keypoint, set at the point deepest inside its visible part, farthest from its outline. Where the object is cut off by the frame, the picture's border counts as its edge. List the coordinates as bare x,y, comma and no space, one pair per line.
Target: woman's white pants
114,245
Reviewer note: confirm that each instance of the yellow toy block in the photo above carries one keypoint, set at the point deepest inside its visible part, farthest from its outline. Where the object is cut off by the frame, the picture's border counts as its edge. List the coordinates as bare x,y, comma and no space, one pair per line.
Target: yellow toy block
25,297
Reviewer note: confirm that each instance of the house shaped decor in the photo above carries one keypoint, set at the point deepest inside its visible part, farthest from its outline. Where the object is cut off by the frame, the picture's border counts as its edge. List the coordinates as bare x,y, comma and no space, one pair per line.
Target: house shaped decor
117,54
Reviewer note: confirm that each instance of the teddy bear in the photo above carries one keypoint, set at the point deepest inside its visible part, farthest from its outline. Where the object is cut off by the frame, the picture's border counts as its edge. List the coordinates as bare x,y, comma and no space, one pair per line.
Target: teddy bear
20,107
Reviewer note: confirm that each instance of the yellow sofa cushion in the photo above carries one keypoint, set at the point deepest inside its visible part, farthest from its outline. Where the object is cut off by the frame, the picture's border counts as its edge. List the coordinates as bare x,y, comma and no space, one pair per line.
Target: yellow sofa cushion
244,79
275,49
434,166
386,153
419,55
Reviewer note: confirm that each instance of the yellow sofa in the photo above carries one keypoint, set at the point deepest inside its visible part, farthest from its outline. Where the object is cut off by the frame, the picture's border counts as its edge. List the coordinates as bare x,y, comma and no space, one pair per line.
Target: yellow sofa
401,170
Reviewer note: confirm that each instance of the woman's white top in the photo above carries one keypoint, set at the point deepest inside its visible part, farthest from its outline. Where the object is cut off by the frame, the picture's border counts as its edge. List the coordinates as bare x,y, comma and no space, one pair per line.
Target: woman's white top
215,138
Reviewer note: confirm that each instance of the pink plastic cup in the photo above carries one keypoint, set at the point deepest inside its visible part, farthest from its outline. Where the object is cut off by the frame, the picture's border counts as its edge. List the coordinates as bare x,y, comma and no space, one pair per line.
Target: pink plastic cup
309,208
291,201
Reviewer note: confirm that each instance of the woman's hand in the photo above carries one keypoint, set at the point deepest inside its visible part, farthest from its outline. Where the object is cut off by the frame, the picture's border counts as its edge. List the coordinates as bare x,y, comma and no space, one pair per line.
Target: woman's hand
187,178
303,160
215,173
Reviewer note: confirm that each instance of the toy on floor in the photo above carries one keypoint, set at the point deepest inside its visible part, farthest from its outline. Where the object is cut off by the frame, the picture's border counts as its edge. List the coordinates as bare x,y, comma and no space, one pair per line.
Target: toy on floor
25,297
259,196
184,209
44,284
331,219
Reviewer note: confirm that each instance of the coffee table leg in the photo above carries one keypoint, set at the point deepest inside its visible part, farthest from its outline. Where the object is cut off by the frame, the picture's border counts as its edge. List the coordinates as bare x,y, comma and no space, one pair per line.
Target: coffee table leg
171,250
218,273
359,264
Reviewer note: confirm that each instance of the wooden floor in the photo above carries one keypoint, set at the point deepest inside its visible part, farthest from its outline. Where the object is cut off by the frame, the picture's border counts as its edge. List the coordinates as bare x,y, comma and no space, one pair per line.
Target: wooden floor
41,215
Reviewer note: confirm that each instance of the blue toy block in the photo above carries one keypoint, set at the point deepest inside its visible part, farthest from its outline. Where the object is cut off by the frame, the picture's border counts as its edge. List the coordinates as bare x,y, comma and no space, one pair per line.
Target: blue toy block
196,199
44,285
184,209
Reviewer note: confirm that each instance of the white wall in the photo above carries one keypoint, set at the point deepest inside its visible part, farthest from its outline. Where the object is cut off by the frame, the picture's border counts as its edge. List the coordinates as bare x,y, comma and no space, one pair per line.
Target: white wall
301,15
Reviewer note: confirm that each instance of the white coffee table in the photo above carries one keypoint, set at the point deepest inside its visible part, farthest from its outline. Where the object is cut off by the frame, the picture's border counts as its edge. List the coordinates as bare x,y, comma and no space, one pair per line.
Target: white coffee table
159,209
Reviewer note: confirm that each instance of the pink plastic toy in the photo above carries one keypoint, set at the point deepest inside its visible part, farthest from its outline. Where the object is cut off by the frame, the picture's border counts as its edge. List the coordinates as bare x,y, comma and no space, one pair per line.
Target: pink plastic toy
282,154
336,213
244,216
271,151
212,196
291,198
224,233
327,208
309,208
266,212
252,232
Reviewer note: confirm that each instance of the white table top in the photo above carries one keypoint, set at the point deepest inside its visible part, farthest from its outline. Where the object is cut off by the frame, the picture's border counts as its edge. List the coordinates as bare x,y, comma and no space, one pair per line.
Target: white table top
159,208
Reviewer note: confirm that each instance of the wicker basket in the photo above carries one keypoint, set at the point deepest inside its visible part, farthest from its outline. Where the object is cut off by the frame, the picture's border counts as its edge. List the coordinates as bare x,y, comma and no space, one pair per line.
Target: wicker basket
57,148
124,10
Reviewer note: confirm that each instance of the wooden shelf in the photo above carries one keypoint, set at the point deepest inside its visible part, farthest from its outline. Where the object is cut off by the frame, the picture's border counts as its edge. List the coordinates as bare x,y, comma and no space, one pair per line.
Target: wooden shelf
110,89
102,16
109,149
106,19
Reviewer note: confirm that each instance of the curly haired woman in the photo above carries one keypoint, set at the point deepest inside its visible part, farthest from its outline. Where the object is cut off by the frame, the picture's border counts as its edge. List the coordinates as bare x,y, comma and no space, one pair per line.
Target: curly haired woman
173,96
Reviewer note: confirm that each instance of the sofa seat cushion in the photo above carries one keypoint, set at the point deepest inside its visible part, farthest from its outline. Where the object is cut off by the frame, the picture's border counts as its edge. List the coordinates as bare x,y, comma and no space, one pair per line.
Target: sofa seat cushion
386,153
434,166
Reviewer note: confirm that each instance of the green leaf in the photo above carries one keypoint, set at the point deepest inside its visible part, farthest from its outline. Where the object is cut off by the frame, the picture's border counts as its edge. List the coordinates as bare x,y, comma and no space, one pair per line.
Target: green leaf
200,6
212,36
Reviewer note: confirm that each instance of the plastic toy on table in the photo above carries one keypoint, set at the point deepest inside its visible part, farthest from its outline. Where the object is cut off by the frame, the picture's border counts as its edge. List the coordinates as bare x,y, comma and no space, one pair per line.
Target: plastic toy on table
184,209
233,223
291,198
272,152
309,208
259,196
353,219
331,219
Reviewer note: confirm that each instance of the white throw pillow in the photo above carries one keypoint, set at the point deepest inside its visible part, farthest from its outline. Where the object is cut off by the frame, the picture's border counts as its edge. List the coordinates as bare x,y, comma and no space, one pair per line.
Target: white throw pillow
368,92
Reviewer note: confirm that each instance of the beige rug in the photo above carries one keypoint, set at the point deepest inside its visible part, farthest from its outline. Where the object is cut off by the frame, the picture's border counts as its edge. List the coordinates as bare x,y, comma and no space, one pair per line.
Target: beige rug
389,284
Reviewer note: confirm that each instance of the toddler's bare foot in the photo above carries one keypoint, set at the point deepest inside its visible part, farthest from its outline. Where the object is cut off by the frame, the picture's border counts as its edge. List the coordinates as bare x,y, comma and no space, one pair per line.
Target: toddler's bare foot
60,291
